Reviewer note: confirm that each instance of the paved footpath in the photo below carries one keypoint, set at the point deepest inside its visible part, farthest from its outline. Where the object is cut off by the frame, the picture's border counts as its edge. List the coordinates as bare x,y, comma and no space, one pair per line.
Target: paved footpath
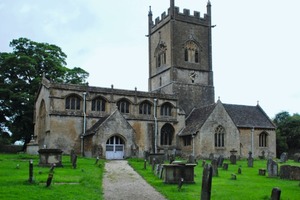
121,182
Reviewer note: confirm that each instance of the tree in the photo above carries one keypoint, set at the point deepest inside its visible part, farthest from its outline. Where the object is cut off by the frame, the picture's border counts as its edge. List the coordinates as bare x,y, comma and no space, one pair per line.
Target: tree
21,72
287,132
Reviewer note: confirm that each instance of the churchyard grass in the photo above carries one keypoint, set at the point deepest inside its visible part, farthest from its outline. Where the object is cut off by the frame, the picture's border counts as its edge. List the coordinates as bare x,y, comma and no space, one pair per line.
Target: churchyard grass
84,182
248,185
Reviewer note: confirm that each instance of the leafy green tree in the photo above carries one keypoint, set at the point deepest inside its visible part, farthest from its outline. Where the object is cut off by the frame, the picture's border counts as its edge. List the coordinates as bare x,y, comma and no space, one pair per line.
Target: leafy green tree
287,132
21,72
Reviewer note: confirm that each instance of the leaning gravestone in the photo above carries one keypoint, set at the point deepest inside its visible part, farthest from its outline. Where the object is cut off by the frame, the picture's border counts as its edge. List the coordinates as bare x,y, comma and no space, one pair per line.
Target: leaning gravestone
275,195
283,157
206,182
272,168
214,164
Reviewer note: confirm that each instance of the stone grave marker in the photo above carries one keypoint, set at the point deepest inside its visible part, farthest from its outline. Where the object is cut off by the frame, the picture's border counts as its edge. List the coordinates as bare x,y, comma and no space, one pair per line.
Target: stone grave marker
206,182
297,157
74,161
233,156
250,160
49,179
283,157
180,183
272,168
214,164
240,170
225,166
289,172
161,171
211,156
145,164
275,195
220,161
97,160
30,171
203,163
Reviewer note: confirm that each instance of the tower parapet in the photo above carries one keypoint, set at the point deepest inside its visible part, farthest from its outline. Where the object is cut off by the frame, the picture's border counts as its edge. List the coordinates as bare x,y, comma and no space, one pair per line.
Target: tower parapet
184,16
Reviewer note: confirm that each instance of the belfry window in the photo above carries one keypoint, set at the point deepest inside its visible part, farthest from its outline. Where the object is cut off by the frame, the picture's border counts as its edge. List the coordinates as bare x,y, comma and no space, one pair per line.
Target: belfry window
160,54
123,106
191,52
219,136
263,139
73,102
98,104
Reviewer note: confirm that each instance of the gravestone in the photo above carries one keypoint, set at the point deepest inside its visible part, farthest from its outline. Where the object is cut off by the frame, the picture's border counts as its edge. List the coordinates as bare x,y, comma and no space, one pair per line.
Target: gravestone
220,161
145,164
233,176
180,183
30,171
161,171
297,157
250,160
206,182
283,157
232,157
72,153
97,160
49,179
211,156
275,195
214,164
289,172
153,164
240,170
74,161
272,168
225,166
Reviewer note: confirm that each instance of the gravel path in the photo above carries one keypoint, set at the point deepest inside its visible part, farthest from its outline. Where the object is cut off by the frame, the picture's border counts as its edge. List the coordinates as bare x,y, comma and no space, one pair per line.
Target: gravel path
121,182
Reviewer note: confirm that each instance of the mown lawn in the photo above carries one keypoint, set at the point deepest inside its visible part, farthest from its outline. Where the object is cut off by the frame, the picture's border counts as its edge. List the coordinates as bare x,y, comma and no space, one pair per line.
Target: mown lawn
248,186
84,182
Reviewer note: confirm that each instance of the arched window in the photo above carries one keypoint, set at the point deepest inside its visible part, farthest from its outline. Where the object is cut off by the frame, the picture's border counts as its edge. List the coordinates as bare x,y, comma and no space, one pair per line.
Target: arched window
191,52
98,104
123,106
166,109
219,136
145,108
166,134
263,139
73,102
160,54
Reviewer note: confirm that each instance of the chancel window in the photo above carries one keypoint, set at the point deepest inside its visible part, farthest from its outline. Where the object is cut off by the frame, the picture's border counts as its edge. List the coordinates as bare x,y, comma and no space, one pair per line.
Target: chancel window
219,136
73,102
145,108
263,139
98,104
166,135
123,106
191,52
166,109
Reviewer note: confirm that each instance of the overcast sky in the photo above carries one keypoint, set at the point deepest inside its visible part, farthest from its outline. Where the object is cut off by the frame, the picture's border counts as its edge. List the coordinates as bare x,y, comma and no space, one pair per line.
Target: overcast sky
255,43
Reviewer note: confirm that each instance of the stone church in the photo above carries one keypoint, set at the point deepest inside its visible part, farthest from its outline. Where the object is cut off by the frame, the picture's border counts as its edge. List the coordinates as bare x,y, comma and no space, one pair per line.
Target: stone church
178,113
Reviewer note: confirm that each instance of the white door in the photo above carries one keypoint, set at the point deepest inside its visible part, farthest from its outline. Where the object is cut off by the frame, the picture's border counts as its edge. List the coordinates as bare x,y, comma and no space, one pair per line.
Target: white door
114,148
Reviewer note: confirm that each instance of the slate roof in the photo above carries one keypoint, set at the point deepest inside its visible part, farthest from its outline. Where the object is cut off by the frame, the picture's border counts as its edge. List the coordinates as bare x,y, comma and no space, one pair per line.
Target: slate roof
93,129
249,116
242,116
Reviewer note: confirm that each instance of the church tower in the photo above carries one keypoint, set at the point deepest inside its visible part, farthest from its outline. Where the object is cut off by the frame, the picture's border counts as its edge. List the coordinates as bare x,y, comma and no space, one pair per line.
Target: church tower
180,56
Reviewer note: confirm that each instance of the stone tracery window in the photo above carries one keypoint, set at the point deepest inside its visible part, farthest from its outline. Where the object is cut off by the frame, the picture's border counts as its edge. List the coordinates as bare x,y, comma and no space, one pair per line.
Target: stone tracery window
263,139
123,106
219,136
166,135
98,104
73,102
166,109
191,52
145,108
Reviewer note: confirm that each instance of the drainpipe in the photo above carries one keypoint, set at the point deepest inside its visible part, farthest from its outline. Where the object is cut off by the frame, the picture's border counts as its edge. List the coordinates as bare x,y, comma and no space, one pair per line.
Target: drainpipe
252,140
155,126
84,123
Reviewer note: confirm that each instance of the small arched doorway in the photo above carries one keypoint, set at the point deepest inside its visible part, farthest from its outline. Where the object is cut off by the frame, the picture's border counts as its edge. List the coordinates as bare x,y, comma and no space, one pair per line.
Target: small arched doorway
115,148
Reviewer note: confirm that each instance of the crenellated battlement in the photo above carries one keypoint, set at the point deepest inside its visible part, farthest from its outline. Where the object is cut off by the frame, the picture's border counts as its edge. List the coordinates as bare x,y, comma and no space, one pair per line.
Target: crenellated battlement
182,16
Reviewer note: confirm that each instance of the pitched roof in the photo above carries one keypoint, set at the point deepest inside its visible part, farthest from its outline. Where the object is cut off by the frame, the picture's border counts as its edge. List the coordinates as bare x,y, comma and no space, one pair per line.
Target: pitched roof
248,116
196,119
93,129
241,115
